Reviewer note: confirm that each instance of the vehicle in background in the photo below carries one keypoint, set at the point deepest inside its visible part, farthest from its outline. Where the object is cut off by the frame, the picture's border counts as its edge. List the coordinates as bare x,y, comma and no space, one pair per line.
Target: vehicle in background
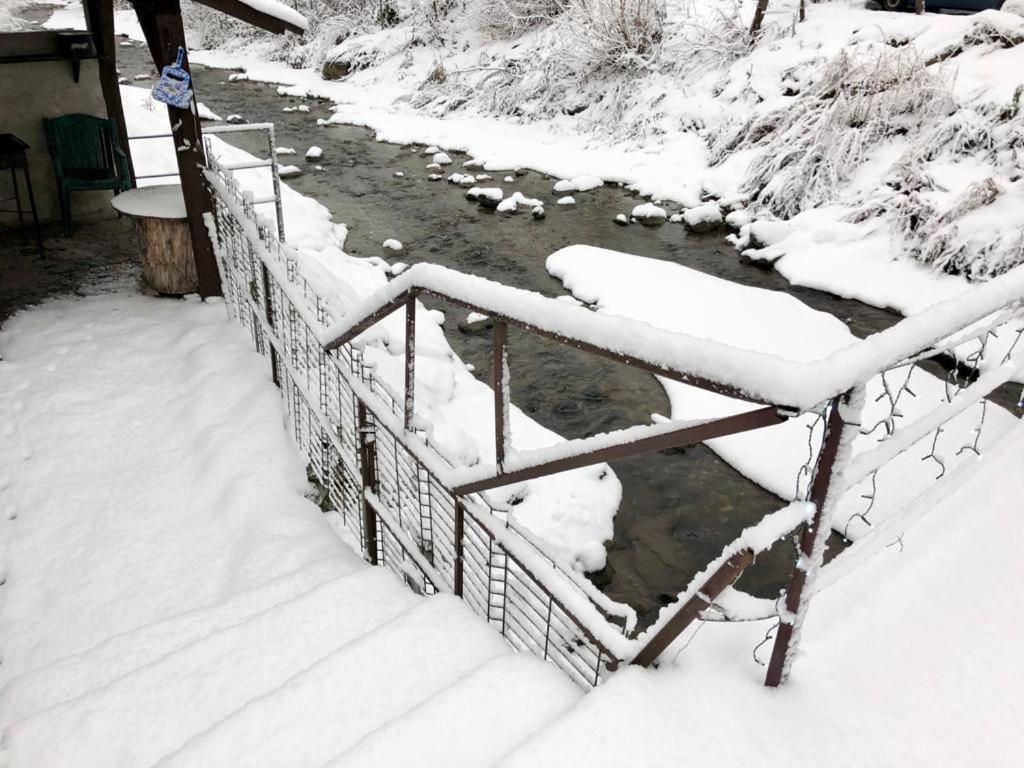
967,6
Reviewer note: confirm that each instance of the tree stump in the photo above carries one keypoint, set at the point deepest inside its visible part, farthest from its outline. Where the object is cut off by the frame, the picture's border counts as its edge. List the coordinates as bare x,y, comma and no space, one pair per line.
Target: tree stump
165,243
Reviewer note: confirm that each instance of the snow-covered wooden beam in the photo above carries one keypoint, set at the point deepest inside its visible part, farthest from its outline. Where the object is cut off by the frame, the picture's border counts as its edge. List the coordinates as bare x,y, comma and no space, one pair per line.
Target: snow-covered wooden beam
271,15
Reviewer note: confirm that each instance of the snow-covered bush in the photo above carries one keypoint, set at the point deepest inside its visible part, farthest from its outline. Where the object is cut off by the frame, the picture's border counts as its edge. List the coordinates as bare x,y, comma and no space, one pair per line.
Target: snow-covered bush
612,34
810,147
510,18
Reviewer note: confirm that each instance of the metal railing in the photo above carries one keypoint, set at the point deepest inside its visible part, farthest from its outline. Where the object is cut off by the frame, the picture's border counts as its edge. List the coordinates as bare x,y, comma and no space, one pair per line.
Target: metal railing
269,162
413,512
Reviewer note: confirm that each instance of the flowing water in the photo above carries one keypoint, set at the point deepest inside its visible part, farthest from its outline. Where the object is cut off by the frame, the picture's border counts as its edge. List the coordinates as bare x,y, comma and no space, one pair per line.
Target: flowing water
679,506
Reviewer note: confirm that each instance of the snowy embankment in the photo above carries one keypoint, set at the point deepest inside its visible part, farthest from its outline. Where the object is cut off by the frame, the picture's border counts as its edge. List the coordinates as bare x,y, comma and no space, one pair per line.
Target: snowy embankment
572,511
676,298
886,140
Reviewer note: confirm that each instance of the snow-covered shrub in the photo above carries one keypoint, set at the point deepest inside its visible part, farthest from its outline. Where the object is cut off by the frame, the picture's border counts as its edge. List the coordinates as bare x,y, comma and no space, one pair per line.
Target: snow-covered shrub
810,147
714,37
612,34
510,18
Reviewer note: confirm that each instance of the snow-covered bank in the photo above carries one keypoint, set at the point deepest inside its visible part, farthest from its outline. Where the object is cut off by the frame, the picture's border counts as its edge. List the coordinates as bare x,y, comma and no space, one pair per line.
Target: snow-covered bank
913,152
676,298
573,512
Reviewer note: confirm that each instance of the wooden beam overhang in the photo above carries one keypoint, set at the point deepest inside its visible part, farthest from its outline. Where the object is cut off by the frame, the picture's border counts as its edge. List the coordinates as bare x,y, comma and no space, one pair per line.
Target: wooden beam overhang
245,12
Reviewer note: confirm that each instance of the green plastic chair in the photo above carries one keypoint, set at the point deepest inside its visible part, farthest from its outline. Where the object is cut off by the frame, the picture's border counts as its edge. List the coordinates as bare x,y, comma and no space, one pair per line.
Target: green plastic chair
86,155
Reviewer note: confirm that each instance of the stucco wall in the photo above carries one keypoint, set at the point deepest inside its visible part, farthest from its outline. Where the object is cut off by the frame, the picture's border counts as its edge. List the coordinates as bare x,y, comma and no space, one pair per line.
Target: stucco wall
28,93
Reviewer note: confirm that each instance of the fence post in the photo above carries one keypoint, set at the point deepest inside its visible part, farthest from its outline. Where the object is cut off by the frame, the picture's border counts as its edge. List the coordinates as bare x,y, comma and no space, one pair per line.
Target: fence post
841,427
499,381
268,308
725,576
460,531
368,470
410,361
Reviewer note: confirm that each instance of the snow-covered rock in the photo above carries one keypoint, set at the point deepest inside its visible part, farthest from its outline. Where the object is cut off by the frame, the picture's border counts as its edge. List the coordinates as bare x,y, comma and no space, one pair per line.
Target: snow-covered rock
203,112
649,212
399,175
314,153
442,158
431,150
462,179
235,119
392,245
513,202
539,212
578,184
738,218
489,197
703,218
288,171
622,219
567,200
284,151
764,233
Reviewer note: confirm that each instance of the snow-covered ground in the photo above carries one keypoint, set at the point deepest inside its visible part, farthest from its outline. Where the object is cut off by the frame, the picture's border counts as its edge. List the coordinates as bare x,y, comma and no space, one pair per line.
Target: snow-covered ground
170,598
198,611
164,579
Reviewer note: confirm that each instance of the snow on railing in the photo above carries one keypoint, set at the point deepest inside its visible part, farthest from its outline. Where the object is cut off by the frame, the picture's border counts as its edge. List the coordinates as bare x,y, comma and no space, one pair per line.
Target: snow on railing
415,512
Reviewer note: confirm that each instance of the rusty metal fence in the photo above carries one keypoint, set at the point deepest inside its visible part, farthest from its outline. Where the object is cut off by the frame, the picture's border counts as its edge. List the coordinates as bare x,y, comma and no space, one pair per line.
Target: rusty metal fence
348,424
410,510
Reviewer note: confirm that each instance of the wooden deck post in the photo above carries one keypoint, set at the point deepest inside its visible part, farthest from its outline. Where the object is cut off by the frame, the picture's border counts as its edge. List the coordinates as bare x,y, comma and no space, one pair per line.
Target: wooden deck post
162,25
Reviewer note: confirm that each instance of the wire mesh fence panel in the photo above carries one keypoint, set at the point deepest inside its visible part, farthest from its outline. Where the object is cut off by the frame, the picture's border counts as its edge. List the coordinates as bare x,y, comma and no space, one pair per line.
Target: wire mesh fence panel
416,527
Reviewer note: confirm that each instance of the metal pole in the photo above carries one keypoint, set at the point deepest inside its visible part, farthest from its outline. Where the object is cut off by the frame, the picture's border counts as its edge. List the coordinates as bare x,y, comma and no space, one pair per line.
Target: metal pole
840,429
268,309
276,179
724,577
460,532
368,472
410,361
499,381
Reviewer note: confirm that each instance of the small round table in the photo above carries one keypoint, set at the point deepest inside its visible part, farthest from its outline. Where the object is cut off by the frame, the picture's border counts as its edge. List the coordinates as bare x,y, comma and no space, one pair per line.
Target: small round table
165,245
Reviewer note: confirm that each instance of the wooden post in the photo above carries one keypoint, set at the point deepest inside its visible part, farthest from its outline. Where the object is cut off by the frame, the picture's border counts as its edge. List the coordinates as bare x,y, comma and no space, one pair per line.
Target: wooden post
100,19
835,454
918,7
162,25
